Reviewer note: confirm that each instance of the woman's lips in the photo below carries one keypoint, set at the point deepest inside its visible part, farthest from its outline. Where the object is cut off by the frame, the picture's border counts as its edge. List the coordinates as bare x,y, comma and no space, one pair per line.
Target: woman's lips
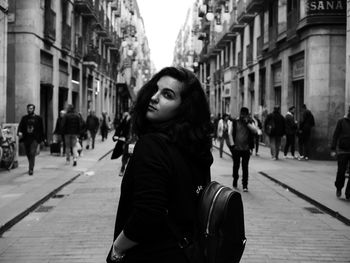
152,108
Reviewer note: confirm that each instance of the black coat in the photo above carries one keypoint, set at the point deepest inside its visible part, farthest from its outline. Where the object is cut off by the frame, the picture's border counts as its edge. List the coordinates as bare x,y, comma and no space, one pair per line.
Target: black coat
32,128
159,182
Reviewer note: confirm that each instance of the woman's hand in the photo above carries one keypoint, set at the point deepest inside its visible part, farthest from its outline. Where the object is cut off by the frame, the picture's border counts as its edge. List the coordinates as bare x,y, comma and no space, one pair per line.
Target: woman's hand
116,255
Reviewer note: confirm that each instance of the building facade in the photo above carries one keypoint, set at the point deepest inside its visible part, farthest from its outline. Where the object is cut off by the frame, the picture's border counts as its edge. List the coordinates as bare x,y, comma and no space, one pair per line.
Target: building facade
3,59
259,54
70,52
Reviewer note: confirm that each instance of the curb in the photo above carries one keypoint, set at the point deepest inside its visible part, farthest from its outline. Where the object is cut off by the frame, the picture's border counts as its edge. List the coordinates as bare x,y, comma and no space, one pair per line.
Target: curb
30,209
322,207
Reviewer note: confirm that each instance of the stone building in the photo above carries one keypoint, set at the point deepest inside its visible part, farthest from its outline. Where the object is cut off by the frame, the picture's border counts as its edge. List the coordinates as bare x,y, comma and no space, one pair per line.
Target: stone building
3,59
287,52
69,52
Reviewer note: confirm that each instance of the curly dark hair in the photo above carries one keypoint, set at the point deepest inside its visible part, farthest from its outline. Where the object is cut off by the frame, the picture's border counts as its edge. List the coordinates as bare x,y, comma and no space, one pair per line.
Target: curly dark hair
190,129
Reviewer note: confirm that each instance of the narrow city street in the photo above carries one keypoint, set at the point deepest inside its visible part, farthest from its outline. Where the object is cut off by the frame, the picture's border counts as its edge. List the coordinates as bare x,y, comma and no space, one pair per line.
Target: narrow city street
76,224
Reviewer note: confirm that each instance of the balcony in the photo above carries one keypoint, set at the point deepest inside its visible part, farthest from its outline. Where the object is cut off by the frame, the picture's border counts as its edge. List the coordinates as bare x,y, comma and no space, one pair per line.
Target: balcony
84,7
78,46
66,37
92,57
249,54
225,36
50,25
101,25
234,25
203,36
254,6
242,15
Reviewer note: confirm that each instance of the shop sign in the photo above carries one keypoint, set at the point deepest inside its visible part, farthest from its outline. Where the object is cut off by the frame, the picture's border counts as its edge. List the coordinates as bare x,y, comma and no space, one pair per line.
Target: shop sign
277,78
298,69
227,91
325,7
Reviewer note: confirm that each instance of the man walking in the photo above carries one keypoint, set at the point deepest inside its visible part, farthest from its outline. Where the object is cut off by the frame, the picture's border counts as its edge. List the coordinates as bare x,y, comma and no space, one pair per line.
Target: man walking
59,131
275,128
291,130
241,137
341,148
92,124
72,127
304,133
31,133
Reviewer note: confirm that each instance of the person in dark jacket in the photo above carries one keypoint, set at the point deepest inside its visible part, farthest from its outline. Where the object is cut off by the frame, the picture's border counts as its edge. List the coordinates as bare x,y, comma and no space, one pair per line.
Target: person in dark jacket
241,136
341,148
92,124
171,159
31,133
304,133
104,126
58,132
291,130
274,127
123,133
72,127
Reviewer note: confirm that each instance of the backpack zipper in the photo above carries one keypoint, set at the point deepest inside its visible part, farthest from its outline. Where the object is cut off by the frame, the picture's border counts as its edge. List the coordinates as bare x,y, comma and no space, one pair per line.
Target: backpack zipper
211,209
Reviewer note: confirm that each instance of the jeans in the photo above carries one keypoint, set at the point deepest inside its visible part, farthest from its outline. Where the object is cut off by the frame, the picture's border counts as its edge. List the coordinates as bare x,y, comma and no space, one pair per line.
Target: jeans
71,142
256,142
91,137
237,155
304,145
31,148
275,144
290,142
343,161
223,139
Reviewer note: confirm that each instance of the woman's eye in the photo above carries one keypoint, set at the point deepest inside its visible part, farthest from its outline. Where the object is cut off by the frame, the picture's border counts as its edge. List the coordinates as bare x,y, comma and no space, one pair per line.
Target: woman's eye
168,94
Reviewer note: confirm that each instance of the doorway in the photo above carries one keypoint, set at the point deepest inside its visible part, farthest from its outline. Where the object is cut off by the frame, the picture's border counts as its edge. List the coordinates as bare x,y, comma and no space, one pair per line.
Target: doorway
46,110
298,97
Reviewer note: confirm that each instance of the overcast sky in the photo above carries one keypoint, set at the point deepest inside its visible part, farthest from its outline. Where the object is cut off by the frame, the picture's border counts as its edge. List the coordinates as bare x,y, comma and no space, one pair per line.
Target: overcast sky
163,19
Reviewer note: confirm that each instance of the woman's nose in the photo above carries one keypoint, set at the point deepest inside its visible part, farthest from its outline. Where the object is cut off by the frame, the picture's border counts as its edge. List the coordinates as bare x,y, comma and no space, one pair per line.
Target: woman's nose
155,97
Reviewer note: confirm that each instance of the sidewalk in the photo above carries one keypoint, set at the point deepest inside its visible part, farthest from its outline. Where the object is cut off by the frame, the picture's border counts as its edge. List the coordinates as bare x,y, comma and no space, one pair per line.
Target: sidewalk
311,180
20,193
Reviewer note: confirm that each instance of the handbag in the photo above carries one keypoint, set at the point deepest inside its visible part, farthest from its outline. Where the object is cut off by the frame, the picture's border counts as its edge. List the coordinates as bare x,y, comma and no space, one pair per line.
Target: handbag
118,149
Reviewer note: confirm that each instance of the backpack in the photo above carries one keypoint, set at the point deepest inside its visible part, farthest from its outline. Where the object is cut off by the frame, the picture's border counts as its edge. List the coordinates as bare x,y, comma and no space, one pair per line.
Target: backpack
220,232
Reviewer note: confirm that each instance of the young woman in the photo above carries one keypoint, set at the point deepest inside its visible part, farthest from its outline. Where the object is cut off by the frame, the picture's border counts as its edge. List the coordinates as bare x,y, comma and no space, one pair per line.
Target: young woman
171,159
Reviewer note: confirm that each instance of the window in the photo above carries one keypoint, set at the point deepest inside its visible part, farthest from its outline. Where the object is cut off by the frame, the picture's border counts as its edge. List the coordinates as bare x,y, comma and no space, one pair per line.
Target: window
282,16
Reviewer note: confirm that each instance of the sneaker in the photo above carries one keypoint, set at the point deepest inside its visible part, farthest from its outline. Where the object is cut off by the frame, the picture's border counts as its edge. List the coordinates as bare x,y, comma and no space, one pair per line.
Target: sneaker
306,158
338,193
87,147
30,172
300,157
74,163
234,184
121,174
256,154
245,189
285,157
274,159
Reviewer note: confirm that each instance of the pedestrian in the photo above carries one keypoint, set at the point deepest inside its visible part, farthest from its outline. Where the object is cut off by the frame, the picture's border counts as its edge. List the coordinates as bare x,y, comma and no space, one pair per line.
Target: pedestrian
171,159
82,135
341,148
222,132
104,126
123,133
304,133
31,133
58,132
216,122
274,127
72,127
92,124
242,133
258,134
291,131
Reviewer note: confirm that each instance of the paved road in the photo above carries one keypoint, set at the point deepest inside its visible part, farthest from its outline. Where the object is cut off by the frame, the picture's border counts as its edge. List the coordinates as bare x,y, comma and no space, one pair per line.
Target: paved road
76,225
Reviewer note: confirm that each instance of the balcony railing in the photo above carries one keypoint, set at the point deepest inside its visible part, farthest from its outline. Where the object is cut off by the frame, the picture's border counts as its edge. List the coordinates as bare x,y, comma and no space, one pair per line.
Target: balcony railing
66,37
242,15
92,57
78,46
84,7
50,25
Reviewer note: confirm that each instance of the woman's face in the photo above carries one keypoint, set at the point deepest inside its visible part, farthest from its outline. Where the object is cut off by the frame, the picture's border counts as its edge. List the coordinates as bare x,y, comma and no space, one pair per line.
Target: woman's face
165,102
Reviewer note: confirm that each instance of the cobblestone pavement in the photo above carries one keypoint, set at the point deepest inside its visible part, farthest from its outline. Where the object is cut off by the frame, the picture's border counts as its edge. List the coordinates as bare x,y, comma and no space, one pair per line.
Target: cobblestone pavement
77,224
